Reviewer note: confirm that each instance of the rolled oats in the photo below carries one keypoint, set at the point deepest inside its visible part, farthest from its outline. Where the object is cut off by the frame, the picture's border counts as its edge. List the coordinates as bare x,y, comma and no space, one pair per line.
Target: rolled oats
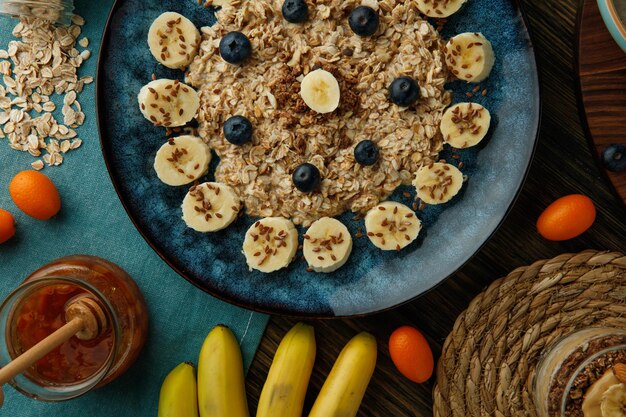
43,61
286,133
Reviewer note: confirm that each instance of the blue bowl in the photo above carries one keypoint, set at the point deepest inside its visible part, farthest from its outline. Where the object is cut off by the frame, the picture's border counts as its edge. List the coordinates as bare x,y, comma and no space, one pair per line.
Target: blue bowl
614,15
372,280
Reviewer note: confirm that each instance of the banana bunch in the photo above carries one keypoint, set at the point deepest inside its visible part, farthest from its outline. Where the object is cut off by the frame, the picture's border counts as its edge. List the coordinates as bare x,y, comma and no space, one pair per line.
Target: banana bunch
220,388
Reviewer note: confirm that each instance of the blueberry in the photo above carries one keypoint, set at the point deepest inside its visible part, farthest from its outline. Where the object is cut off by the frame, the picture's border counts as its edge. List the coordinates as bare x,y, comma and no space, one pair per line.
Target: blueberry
238,130
364,21
306,178
235,47
404,91
614,157
295,11
366,152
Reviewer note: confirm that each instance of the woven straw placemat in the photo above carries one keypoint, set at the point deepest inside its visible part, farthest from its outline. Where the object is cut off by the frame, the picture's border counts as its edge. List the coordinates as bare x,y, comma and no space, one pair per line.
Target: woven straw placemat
487,365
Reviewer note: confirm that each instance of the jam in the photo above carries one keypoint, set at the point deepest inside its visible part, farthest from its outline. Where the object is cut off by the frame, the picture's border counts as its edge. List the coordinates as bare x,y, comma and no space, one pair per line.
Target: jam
75,360
37,308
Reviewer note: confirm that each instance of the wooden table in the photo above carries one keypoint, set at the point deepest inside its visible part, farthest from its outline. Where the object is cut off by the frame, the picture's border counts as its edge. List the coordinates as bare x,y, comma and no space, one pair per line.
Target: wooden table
563,164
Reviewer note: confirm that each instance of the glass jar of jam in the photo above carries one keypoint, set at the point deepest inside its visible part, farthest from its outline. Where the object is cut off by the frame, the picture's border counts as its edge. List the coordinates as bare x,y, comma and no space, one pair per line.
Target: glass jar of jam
37,308
576,371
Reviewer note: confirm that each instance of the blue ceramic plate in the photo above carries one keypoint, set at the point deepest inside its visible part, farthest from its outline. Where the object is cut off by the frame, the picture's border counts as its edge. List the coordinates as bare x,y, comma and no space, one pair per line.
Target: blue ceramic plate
372,280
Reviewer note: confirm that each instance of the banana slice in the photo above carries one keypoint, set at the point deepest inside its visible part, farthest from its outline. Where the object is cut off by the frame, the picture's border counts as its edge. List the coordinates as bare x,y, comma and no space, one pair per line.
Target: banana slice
173,40
437,8
210,207
470,57
270,244
327,245
392,226
168,103
218,3
613,402
320,91
182,160
593,396
465,124
438,183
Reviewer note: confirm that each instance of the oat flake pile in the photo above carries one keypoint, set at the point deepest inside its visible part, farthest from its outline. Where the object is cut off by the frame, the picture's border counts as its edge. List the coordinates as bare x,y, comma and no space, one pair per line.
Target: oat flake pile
42,63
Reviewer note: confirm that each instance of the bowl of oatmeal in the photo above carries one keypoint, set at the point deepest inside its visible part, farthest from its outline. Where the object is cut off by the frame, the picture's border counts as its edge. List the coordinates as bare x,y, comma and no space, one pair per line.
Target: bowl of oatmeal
287,134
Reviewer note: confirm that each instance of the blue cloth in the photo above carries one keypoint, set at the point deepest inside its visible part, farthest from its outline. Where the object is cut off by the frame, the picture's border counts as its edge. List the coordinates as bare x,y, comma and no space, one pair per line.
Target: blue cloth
92,221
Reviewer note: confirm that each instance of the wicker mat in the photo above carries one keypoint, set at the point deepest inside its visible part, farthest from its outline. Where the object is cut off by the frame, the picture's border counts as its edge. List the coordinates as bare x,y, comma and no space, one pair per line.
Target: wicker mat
487,365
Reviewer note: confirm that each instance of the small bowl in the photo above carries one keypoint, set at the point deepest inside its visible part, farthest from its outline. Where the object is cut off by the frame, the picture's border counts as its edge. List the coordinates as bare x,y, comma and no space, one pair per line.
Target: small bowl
614,16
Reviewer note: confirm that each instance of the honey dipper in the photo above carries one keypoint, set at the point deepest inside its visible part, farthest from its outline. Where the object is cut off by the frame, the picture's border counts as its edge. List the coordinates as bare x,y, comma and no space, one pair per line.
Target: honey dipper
84,319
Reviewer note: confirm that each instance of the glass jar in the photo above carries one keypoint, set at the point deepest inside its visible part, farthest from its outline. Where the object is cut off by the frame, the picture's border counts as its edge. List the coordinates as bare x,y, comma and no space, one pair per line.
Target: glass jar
36,309
571,365
59,11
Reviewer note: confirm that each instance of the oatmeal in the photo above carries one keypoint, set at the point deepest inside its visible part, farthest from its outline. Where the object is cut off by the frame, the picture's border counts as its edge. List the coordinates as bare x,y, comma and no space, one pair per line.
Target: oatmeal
287,133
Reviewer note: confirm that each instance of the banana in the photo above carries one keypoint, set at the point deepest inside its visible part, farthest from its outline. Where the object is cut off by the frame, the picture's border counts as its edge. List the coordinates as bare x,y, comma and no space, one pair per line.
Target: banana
210,207
220,3
168,103
343,390
270,244
593,396
221,386
439,8
392,226
173,40
327,245
285,388
470,57
182,160
320,91
179,395
437,183
613,402
465,124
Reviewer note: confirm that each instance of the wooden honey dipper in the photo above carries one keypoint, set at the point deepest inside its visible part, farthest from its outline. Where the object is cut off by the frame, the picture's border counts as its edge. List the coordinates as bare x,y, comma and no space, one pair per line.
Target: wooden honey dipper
84,319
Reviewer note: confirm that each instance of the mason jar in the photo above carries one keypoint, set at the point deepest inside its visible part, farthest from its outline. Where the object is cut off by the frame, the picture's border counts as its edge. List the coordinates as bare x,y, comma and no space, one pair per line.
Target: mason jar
569,368
36,309
58,11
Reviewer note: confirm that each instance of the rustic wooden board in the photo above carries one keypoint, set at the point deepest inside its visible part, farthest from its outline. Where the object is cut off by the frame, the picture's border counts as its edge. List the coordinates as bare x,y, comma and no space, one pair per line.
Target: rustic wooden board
563,164
602,71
